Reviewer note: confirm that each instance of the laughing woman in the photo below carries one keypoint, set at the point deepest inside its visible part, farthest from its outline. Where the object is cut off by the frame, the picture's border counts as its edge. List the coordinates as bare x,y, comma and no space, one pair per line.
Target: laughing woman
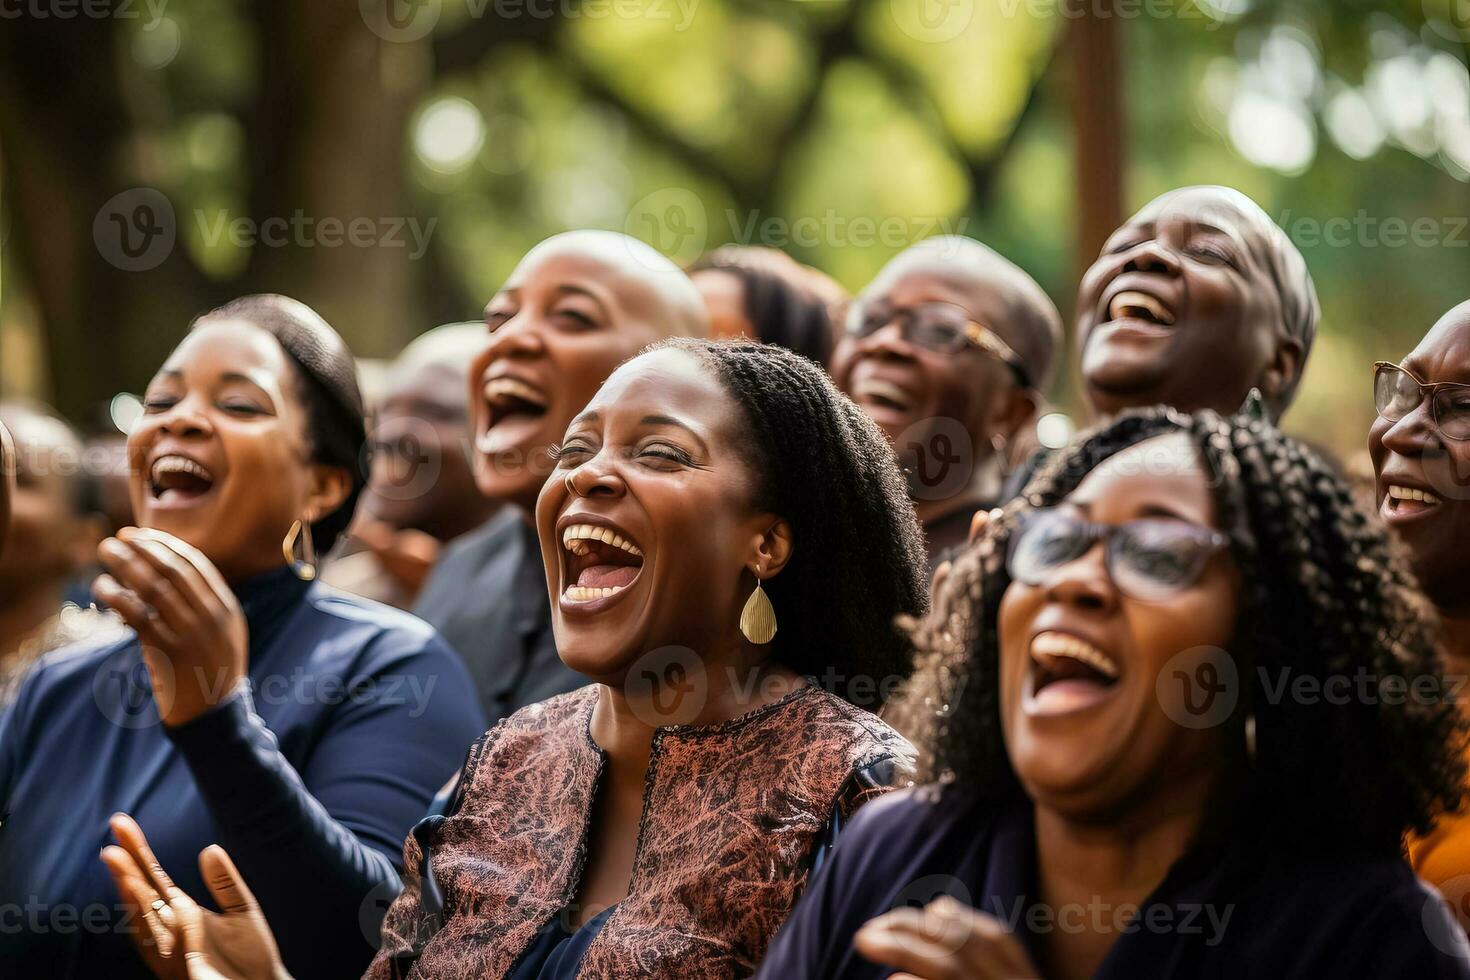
305,730
1174,742
727,543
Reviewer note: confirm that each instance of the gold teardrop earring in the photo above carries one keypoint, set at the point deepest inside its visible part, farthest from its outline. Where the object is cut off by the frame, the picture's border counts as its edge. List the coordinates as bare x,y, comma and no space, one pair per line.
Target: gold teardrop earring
758,618
305,565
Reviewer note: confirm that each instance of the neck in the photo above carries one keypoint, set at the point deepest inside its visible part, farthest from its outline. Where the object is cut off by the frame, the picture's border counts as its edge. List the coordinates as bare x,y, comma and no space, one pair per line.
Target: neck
983,490
1114,862
627,715
26,609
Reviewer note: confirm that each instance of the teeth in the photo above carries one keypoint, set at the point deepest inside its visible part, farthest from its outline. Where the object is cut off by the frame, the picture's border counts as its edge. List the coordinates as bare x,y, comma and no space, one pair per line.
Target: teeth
874,388
1409,493
498,389
575,537
580,593
178,464
1131,299
1063,645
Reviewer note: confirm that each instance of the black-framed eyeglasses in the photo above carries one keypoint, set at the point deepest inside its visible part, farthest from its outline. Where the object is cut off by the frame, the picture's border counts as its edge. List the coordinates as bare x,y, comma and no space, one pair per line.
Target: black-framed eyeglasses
941,327
1149,559
1397,391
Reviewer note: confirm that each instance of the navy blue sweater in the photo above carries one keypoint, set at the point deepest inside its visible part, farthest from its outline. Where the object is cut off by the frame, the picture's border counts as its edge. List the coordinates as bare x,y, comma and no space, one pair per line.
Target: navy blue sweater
310,776
1226,913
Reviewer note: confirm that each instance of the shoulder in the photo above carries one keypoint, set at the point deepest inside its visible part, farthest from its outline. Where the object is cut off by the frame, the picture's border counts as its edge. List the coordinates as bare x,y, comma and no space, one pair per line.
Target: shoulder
535,731
374,634
66,687
824,720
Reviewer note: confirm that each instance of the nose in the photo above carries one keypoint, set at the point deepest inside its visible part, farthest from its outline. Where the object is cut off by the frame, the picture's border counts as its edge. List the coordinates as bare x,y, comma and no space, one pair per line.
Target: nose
519,336
887,341
597,477
1151,256
1415,434
1083,583
185,418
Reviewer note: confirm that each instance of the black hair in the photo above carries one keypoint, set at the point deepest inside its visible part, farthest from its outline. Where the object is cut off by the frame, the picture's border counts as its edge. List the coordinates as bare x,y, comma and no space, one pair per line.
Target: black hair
327,376
1325,594
857,560
782,312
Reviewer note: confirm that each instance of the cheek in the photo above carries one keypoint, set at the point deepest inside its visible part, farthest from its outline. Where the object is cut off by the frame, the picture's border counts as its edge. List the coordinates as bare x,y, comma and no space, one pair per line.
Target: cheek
842,358
1018,608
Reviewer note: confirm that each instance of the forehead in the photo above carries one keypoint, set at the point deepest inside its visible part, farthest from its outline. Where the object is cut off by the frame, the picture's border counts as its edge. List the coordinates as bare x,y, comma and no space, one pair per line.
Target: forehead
1163,473
1444,353
613,275
230,345
663,382
1206,208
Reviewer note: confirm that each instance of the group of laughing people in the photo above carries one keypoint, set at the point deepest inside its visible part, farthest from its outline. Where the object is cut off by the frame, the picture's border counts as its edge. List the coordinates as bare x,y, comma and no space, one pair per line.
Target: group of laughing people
800,657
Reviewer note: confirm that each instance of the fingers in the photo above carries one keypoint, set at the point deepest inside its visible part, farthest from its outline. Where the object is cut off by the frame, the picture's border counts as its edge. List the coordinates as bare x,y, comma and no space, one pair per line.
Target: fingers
130,836
131,568
979,522
190,554
173,568
225,882
945,939
135,612
136,890
941,575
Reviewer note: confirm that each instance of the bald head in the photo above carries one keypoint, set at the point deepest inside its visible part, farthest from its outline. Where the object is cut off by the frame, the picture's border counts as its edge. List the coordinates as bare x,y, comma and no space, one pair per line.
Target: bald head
645,286
1019,310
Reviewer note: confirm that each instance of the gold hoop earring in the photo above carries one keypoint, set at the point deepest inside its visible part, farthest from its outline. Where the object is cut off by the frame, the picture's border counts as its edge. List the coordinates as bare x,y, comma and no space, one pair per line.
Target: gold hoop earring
304,566
758,618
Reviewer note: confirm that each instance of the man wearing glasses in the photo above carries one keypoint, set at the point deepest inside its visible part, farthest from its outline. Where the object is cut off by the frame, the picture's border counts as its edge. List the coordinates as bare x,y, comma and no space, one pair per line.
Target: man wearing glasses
1420,445
950,350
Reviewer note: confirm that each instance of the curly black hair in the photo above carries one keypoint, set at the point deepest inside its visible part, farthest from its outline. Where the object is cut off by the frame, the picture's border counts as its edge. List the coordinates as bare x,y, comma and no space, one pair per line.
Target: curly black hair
1326,594
857,560
327,375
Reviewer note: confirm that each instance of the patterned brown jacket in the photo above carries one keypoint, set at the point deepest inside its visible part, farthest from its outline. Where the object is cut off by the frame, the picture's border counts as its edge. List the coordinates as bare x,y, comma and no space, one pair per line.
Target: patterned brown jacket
732,815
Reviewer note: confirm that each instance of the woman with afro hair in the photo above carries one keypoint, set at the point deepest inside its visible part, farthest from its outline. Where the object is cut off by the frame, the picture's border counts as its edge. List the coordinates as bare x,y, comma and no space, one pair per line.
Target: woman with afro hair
1177,712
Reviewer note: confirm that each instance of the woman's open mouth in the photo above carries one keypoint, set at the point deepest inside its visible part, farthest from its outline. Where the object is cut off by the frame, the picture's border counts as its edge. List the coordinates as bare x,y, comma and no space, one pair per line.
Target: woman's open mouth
178,481
1138,312
1067,674
1401,503
514,410
599,565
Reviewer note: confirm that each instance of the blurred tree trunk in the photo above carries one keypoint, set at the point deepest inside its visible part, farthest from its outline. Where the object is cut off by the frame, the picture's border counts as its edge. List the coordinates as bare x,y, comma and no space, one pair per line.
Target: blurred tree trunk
1098,125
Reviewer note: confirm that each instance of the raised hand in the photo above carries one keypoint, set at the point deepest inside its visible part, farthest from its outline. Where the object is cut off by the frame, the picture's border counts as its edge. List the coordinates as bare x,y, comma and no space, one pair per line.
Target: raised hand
195,641
945,940
181,940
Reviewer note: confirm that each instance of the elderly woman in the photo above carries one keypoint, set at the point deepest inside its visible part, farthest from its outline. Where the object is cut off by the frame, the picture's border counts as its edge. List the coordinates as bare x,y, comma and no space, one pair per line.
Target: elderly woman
1160,693
304,729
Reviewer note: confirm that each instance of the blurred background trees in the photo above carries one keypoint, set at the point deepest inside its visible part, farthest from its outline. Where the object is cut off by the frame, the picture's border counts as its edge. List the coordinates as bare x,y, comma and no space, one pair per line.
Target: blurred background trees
457,133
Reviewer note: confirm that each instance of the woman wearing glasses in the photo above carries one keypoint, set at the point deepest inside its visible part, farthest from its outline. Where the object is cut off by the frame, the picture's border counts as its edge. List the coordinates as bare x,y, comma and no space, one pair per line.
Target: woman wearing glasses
1158,699
949,350
1420,446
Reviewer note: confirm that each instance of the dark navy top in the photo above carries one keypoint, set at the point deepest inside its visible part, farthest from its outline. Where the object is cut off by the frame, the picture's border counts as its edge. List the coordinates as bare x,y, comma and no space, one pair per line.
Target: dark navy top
1217,914
310,776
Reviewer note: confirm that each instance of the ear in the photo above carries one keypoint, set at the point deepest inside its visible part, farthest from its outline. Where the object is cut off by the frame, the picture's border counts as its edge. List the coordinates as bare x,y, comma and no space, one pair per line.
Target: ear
330,486
1282,372
773,547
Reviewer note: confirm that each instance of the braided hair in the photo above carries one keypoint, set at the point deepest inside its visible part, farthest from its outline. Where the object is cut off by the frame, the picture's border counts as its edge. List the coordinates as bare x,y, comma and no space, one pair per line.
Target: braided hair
858,557
1325,594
